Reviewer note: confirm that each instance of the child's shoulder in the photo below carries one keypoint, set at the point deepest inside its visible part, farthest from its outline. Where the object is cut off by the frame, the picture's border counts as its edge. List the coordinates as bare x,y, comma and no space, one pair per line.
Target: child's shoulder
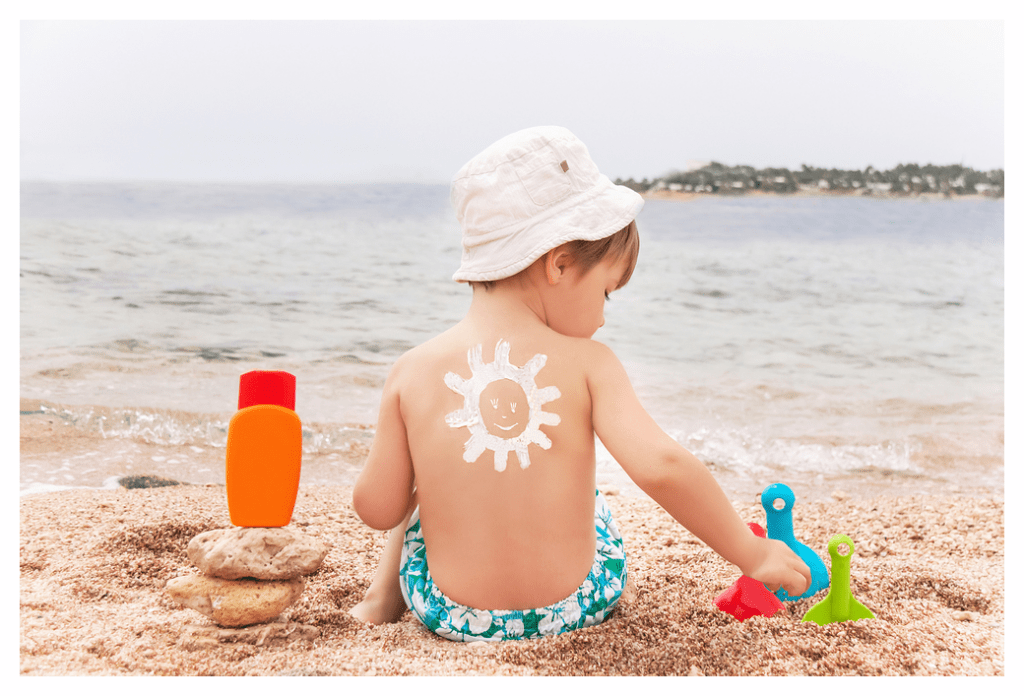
585,353
429,354
450,349
596,358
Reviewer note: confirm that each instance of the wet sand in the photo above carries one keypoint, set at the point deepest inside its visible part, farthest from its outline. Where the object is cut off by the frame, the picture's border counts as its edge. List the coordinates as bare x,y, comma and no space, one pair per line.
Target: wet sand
94,562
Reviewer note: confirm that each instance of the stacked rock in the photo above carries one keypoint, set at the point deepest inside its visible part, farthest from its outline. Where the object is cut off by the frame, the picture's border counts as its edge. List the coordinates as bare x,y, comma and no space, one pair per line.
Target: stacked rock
250,574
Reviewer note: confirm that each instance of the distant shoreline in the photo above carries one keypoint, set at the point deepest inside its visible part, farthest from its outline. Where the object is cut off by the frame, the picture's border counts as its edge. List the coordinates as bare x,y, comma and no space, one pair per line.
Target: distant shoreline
667,195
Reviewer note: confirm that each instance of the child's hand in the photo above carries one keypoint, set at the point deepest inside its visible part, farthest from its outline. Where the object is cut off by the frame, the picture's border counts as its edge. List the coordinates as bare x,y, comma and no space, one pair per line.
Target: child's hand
780,567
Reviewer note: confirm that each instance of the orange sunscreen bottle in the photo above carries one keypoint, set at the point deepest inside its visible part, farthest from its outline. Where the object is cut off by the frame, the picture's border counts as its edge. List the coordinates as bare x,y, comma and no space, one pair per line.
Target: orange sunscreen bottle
264,451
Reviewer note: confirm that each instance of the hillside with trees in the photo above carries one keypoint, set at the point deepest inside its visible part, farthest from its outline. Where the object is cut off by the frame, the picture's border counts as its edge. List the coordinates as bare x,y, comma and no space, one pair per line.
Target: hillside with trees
903,180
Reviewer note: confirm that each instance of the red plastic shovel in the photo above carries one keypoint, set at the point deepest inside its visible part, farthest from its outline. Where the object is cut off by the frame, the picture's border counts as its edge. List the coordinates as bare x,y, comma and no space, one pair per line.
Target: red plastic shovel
748,597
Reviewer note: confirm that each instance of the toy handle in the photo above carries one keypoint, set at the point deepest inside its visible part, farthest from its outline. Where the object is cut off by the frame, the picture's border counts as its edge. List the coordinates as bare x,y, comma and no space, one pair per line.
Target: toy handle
833,548
840,590
779,520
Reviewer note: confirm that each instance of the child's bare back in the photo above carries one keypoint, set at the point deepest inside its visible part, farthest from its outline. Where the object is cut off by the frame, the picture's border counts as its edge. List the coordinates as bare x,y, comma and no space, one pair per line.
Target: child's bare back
503,458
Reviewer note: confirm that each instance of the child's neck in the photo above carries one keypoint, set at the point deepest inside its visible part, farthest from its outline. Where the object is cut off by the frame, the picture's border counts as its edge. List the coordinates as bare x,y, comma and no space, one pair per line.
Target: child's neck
515,302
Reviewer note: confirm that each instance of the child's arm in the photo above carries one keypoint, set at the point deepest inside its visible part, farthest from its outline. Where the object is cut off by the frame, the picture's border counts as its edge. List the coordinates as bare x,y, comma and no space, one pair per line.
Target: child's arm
385,485
679,482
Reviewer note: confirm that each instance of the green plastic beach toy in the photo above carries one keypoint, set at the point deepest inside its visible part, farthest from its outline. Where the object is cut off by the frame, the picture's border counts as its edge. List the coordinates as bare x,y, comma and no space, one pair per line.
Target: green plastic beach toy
839,604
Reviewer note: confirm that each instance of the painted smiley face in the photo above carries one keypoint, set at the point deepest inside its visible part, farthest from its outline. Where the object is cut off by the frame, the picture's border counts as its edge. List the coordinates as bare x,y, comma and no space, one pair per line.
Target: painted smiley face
504,409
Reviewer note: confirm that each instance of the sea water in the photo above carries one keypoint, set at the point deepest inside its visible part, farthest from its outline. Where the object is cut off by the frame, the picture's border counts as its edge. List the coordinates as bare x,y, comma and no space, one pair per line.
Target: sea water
832,343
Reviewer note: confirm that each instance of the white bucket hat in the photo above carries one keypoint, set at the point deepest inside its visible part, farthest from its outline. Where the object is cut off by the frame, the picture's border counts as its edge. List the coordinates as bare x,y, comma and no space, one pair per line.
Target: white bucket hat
528,193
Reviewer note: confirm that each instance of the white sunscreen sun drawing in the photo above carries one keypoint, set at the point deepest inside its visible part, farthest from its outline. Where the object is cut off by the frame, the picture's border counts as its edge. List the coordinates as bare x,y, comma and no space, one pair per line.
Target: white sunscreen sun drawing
503,406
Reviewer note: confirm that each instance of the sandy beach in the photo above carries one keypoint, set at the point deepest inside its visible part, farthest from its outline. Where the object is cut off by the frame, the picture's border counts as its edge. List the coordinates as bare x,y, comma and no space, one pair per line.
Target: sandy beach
94,563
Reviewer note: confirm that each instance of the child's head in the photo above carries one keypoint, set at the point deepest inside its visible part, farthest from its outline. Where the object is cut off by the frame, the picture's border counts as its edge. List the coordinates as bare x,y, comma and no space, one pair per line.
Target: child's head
584,254
534,191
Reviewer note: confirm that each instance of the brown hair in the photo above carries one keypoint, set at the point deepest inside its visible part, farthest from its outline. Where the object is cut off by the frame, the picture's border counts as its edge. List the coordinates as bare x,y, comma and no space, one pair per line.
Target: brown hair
623,244
585,254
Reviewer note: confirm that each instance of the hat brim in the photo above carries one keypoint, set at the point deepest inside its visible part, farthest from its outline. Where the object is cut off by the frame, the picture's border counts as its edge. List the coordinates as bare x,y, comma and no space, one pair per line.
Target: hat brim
606,209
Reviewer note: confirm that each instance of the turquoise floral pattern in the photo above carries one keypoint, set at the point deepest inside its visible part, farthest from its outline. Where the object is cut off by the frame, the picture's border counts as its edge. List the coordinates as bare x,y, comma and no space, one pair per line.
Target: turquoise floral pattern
587,606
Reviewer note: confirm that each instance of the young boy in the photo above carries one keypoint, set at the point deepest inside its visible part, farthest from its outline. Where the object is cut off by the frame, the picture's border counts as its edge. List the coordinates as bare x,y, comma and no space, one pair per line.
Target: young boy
483,462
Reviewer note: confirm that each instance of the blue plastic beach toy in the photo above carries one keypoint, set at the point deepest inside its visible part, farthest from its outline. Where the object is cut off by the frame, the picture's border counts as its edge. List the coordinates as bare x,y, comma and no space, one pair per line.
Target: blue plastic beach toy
780,526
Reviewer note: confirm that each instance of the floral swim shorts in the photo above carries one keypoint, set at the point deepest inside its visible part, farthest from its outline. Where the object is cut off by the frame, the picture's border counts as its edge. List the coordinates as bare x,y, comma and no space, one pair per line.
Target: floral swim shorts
587,606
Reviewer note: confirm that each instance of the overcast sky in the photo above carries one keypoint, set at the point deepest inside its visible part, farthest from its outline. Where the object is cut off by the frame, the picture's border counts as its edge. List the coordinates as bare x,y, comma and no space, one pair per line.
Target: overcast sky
348,101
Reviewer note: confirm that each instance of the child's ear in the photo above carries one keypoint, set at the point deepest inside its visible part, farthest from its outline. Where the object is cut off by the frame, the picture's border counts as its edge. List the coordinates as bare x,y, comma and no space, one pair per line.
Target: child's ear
556,262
